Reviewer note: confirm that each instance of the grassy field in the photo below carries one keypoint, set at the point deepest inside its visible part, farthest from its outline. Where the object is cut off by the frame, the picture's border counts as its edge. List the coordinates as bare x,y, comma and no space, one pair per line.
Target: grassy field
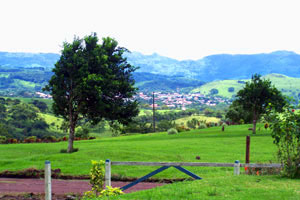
287,85
149,112
183,121
211,144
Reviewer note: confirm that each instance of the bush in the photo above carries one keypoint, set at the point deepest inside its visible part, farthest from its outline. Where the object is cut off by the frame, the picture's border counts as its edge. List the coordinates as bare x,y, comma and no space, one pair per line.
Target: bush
164,125
30,139
2,139
97,181
231,89
82,133
285,128
181,129
49,139
172,131
202,126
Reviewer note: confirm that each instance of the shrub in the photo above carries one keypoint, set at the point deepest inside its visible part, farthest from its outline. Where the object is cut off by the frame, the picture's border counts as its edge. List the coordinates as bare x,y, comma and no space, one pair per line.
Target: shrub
181,129
49,139
97,176
285,128
172,131
202,126
97,181
30,139
82,133
164,125
2,139
110,191
231,89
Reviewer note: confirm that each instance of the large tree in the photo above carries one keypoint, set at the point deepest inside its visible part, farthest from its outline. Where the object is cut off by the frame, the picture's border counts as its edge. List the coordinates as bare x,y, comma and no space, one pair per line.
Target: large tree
257,95
92,81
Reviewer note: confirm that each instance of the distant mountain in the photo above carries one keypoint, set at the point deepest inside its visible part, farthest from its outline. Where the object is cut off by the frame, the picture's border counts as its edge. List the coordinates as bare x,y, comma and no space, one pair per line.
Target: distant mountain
158,72
220,67
28,60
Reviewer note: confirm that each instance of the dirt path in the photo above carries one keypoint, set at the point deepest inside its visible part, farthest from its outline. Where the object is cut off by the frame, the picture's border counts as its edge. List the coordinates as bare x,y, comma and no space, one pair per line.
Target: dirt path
59,187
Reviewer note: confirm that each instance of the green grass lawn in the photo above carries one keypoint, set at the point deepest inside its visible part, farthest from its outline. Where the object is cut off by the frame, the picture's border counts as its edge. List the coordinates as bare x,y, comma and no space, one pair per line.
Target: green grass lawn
183,121
211,144
223,187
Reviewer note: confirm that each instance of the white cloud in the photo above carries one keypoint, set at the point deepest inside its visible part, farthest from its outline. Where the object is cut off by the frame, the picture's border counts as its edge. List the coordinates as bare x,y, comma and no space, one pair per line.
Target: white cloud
179,29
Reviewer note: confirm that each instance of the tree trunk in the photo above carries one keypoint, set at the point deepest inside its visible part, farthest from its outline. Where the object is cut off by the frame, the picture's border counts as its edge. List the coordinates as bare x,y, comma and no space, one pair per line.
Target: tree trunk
254,127
71,137
254,123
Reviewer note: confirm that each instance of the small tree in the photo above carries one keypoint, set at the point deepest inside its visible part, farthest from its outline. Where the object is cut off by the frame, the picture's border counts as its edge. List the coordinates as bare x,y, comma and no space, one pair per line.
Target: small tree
256,95
236,113
286,133
92,81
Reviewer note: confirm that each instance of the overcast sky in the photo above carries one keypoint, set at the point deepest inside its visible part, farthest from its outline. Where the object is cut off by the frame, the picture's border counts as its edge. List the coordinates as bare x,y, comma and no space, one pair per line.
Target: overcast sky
186,29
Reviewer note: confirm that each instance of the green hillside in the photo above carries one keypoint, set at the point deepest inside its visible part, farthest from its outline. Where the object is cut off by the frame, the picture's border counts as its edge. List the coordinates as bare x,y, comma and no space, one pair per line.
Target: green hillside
287,85
211,144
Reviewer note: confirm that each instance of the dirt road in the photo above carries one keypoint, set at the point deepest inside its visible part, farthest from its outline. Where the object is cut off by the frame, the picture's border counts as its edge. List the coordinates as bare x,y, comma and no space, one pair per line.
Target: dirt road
36,186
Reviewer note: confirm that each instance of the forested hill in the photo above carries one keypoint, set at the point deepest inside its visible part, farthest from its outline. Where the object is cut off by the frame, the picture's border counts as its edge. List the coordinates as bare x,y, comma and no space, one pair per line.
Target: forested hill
28,60
214,67
220,67
30,71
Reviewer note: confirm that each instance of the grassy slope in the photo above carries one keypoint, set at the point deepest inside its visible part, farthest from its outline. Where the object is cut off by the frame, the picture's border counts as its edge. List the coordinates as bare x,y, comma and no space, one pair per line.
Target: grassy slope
182,121
211,144
288,84
223,187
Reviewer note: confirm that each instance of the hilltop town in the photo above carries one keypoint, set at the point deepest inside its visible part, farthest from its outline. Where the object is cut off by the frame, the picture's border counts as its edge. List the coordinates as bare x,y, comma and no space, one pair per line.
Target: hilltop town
179,100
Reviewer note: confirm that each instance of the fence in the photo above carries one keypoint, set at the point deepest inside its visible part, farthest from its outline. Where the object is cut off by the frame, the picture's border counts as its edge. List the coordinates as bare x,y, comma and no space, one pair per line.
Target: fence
177,165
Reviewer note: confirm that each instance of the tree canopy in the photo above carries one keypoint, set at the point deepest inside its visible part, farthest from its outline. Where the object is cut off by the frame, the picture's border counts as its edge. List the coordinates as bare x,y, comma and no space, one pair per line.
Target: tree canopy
256,95
92,81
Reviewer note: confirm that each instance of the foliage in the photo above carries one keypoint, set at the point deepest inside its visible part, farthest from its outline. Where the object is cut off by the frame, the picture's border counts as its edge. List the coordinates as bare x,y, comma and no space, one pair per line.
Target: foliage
172,131
137,126
97,181
286,134
164,125
2,139
193,123
92,81
214,91
82,132
231,89
208,112
236,113
256,95
202,126
110,191
20,120
97,176
40,105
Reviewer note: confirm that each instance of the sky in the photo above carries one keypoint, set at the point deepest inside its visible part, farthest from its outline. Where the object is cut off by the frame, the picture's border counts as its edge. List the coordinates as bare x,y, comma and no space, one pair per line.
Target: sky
180,29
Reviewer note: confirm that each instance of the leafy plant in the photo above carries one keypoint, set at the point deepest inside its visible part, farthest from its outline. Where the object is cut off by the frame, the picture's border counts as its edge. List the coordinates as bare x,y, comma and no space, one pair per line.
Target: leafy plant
285,128
82,132
97,176
172,131
97,181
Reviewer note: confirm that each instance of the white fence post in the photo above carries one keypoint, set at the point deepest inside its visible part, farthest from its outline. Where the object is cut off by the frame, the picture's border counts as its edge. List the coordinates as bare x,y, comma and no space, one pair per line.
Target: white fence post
107,173
237,167
48,180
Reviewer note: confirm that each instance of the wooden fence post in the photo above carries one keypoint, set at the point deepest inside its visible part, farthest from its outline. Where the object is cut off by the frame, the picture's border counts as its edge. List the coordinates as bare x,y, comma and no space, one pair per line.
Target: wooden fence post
247,154
107,173
48,180
248,149
237,167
